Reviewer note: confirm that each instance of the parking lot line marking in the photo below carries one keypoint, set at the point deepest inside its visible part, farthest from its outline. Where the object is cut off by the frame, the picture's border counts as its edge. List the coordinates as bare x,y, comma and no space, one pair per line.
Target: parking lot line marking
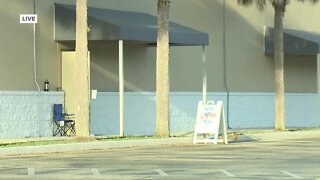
95,172
291,174
31,172
227,173
162,173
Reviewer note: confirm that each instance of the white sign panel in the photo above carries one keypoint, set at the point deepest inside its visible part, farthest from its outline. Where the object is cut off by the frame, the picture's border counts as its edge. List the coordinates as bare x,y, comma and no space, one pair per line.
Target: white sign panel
210,121
207,119
28,18
94,94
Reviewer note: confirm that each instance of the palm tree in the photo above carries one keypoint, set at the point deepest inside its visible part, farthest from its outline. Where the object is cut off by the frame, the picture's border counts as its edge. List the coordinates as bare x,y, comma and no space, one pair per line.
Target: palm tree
279,8
162,71
82,71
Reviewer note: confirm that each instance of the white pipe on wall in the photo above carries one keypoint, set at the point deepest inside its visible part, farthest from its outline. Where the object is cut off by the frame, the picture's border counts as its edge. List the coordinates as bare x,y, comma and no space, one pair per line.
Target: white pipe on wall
204,76
318,87
35,58
121,88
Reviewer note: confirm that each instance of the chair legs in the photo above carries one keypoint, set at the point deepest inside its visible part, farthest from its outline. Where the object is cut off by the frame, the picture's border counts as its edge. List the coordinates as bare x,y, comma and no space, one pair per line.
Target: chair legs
64,128
58,128
69,128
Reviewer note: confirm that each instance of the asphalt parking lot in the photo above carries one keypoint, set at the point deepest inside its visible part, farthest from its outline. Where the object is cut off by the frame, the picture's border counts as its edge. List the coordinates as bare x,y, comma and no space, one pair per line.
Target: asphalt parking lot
285,159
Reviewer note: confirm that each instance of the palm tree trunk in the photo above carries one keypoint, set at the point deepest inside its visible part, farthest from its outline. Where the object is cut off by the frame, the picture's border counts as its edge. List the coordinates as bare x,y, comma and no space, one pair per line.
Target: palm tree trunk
162,71
279,67
82,72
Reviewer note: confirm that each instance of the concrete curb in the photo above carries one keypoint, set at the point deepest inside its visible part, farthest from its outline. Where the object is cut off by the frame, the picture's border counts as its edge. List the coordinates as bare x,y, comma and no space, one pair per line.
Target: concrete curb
246,138
287,135
73,147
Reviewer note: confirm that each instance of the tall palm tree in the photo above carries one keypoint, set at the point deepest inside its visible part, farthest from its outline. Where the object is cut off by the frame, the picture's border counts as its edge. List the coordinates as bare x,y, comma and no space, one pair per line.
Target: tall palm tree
162,71
82,71
279,8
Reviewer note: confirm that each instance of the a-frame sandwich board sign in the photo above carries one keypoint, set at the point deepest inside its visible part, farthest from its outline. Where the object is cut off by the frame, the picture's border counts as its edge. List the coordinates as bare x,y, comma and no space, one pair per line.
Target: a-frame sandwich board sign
210,123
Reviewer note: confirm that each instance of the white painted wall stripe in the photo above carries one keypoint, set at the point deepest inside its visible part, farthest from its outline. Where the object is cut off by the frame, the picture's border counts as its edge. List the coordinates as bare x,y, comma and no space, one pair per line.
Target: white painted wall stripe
227,173
162,173
291,174
95,172
31,172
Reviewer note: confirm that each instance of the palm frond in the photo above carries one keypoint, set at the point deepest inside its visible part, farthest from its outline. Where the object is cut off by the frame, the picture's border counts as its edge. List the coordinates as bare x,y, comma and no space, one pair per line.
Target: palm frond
261,4
312,1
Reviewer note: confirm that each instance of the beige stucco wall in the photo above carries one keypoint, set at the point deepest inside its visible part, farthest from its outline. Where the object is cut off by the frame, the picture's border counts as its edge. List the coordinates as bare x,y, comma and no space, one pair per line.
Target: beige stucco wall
16,69
248,69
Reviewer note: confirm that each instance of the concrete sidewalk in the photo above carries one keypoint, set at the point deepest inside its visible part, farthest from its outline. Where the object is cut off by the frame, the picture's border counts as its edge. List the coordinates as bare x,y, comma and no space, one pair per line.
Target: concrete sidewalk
116,144
95,145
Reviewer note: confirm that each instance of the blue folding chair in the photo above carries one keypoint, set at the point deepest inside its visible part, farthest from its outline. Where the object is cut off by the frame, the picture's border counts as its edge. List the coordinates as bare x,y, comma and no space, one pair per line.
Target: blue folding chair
63,122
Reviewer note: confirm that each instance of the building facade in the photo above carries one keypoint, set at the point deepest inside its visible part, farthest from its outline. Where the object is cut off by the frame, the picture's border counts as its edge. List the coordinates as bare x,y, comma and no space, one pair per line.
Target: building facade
238,70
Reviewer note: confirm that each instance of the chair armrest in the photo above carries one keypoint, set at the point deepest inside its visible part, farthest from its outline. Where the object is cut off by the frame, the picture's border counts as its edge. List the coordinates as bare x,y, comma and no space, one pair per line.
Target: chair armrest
66,114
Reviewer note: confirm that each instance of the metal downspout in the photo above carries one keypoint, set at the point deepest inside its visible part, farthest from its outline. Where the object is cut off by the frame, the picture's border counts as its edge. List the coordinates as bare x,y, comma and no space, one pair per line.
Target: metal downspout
35,70
225,61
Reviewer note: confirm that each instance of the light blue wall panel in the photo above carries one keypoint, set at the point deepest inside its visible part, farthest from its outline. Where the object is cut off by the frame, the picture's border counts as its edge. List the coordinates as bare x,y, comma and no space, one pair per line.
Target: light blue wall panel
140,112
105,114
27,113
257,110
246,110
20,112
301,110
251,110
